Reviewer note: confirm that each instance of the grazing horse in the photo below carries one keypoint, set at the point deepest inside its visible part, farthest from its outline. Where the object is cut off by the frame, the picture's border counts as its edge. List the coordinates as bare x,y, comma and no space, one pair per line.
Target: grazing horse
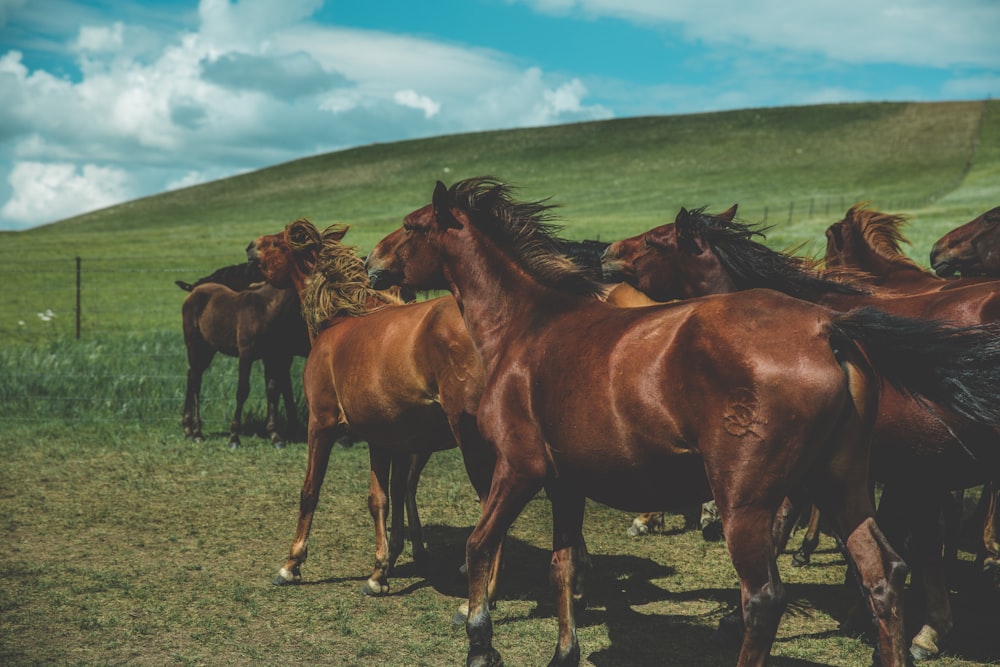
403,377
919,452
744,397
263,323
972,249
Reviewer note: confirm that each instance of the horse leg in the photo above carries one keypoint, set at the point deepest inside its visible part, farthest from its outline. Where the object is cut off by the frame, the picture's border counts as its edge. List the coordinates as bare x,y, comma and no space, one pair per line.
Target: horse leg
747,531
271,394
567,544
416,466
709,522
809,541
242,393
509,493
843,497
926,550
320,443
378,506
646,523
991,535
199,358
954,504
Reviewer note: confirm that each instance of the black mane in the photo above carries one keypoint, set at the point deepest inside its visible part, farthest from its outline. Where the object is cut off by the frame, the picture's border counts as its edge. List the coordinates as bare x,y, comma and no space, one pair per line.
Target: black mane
526,231
752,264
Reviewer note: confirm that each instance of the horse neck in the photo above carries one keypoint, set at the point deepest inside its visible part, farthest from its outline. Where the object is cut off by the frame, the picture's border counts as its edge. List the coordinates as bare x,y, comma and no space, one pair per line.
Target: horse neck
495,295
705,276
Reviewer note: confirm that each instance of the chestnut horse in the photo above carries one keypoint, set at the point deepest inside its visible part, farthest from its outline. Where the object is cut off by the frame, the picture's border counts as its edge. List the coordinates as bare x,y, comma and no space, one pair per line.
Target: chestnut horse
918,454
870,241
403,377
744,397
972,249
263,323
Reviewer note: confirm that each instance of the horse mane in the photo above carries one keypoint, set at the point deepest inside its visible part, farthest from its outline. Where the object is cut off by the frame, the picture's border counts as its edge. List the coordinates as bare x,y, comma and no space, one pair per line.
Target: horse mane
882,232
526,231
338,285
752,264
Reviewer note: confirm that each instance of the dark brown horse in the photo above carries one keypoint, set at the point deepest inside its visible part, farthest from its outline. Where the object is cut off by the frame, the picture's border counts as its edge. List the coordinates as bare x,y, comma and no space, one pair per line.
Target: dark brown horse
869,241
972,249
403,377
919,454
744,397
263,323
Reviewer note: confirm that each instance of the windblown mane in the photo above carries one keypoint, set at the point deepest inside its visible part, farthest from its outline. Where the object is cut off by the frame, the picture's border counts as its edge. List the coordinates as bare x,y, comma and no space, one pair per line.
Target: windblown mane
338,285
752,264
883,232
526,231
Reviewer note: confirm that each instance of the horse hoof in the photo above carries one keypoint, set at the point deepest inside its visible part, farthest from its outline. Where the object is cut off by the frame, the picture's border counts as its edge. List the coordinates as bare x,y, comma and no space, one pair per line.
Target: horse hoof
278,444
489,659
374,589
234,445
925,645
800,560
287,578
638,529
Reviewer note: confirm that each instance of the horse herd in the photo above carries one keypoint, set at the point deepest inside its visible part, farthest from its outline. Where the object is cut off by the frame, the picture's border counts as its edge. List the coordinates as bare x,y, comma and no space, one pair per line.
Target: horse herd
703,366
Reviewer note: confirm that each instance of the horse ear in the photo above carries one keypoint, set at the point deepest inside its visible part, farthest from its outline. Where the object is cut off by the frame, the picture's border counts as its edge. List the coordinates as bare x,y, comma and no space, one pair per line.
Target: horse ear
336,232
442,207
729,214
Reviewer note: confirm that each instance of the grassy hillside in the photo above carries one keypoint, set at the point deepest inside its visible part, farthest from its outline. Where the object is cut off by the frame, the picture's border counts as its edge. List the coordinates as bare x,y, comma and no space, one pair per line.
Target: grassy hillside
797,168
125,543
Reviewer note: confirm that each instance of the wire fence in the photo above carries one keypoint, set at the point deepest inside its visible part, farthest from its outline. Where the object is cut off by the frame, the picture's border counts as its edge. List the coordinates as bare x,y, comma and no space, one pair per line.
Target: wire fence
92,340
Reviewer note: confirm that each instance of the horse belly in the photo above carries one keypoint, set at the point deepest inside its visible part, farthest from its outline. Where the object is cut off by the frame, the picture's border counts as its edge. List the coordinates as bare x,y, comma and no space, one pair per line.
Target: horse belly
656,480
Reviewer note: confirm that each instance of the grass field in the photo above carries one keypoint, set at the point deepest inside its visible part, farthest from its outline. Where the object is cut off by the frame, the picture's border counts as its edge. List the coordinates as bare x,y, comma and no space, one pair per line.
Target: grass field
124,544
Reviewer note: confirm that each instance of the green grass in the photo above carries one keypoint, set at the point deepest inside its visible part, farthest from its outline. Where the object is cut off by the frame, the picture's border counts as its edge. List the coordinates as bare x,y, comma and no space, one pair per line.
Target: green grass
125,544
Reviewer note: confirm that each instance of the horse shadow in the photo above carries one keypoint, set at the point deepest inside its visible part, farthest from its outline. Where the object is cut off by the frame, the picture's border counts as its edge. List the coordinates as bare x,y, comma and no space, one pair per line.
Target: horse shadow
617,585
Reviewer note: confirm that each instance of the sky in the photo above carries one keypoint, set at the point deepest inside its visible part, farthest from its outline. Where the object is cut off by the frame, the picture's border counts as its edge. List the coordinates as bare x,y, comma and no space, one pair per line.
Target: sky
104,101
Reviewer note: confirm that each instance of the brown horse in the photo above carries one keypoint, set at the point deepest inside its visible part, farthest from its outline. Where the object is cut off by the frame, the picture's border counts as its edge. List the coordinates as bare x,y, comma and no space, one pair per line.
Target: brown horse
262,323
972,249
744,397
403,377
918,454
869,241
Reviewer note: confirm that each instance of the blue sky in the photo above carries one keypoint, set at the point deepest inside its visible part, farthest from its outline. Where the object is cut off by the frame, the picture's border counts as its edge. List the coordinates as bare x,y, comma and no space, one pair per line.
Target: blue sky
108,100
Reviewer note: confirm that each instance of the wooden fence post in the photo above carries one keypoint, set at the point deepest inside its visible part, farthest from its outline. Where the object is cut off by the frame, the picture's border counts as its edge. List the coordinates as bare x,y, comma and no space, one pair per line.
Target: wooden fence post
78,298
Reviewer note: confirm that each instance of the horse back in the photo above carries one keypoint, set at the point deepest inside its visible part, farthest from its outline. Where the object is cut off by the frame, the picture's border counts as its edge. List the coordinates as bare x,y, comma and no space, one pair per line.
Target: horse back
388,371
672,389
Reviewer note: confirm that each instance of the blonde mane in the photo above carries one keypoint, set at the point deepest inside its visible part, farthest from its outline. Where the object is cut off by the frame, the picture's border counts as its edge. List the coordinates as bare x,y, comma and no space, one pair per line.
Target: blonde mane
882,232
338,285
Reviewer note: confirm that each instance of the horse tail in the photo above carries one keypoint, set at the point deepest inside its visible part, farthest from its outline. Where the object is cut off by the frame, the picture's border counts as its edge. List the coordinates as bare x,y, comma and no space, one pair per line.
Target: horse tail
187,287
957,368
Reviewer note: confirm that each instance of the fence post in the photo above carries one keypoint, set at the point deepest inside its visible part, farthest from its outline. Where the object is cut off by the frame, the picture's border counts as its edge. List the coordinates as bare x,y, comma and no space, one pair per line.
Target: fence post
78,298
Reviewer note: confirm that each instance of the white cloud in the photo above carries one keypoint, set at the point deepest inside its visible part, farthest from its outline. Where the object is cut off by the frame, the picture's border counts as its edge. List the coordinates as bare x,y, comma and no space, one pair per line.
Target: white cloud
47,192
253,84
101,38
907,32
414,100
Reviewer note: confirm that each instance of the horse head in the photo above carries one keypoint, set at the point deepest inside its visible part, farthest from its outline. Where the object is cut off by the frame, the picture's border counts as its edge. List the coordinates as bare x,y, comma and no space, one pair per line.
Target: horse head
972,249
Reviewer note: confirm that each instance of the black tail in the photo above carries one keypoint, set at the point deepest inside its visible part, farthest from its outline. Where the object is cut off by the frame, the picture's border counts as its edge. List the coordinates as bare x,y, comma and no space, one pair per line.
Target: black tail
187,287
957,368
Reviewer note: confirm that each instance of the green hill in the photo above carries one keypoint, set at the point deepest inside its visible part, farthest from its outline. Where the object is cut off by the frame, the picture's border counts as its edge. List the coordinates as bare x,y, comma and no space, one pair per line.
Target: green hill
797,168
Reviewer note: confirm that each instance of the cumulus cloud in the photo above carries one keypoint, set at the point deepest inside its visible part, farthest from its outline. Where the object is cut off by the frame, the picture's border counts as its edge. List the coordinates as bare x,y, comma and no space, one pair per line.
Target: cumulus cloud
43,192
245,85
